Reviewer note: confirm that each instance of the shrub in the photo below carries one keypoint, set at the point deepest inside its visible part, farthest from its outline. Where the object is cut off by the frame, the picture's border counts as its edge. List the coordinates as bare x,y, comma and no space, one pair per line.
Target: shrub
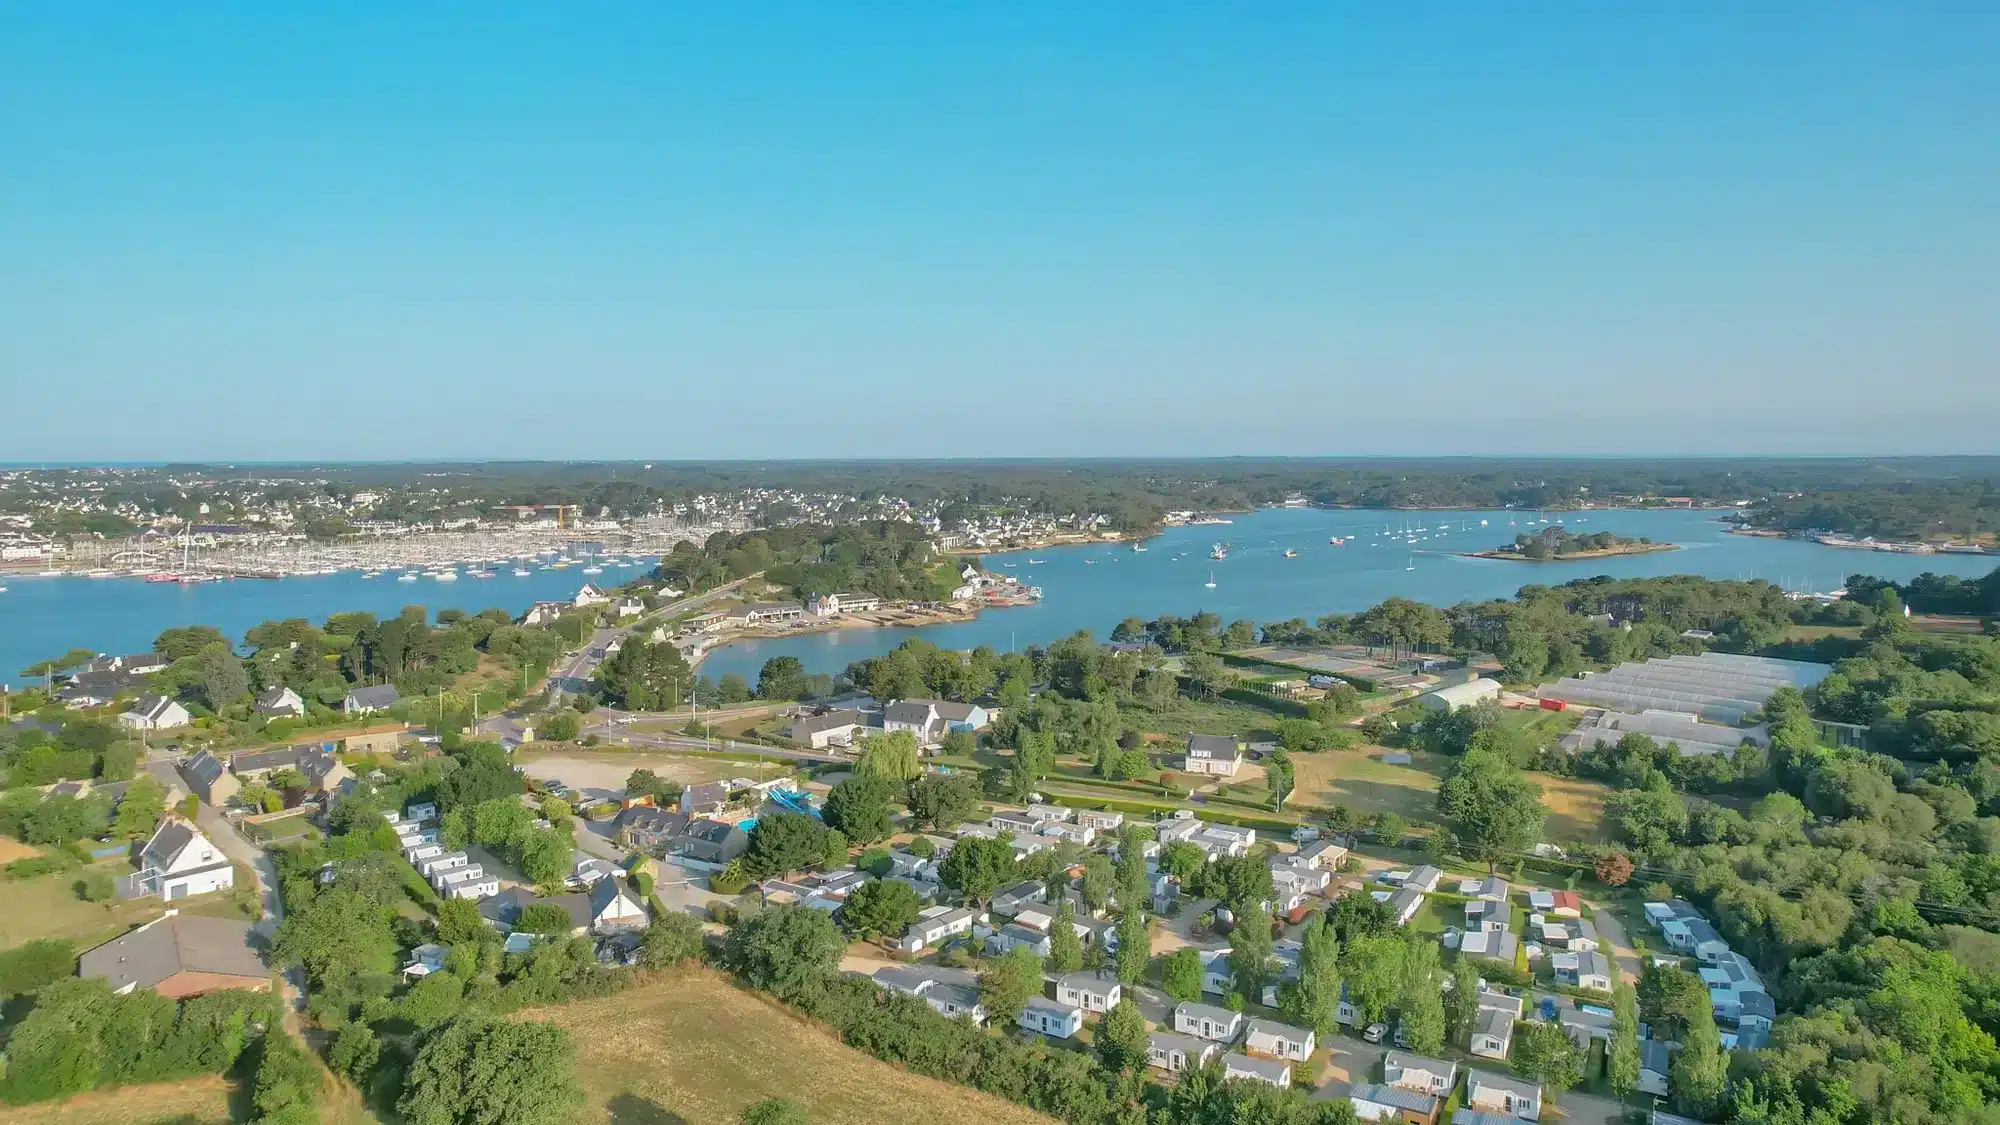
730,880
94,887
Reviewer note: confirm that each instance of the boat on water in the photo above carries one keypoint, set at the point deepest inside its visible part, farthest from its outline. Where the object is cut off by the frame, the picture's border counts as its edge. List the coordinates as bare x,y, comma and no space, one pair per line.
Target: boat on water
522,572
593,570
1218,552
1335,541
406,576
1290,553
446,576
1211,580
482,572
1036,562
1009,566
371,574
1137,549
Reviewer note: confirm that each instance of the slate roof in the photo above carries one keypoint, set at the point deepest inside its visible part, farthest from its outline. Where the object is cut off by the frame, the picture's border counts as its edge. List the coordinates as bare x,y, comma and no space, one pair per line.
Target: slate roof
1394,1096
1213,746
378,697
180,943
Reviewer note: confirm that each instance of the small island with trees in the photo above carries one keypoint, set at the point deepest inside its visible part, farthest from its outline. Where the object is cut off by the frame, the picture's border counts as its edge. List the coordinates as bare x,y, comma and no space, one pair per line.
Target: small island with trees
1559,544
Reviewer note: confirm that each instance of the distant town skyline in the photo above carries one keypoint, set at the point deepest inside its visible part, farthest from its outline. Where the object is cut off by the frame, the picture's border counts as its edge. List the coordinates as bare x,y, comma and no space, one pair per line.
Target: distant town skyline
891,230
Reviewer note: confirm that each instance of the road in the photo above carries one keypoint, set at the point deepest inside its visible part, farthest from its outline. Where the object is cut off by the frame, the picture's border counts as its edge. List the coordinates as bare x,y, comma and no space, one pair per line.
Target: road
575,670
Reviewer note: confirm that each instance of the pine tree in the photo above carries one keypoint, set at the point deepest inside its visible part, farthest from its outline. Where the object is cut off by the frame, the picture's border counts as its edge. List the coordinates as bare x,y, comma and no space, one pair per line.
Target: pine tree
1700,1076
1135,945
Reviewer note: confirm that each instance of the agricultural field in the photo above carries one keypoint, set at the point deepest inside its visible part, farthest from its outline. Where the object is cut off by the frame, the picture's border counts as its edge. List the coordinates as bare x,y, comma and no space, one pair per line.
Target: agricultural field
696,1050
1361,782
608,769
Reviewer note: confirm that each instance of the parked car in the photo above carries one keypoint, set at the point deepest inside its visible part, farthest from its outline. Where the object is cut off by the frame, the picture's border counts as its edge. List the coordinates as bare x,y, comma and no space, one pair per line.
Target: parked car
1375,1032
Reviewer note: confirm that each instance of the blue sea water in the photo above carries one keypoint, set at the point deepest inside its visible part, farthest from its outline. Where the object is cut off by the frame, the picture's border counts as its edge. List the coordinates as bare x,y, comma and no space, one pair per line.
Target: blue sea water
1090,587
1094,587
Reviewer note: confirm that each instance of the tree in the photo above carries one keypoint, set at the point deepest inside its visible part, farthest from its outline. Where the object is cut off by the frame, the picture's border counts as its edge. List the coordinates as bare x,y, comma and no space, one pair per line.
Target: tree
1065,947
1422,1006
1007,982
976,867
1097,881
1182,860
782,678
784,842
942,803
220,678
1622,1062
880,906
1278,778
860,808
561,726
460,923
1135,944
1493,810
139,813
1123,1038
784,950
1250,951
477,1070
775,1111
354,1053
1372,967
1699,1076
1461,1004
544,918
1312,999
1614,868
1544,1052
1181,974
893,756
671,940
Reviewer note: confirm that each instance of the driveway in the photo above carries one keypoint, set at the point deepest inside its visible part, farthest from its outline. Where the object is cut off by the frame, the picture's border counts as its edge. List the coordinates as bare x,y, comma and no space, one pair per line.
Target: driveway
1611,929
1349,1061
240,850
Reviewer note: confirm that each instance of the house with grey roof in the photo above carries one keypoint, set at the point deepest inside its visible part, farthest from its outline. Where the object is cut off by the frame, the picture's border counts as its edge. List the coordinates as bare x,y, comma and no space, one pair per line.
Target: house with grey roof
1212,755
1492,1033
1173,1052
280,701
1656,1064
1207,1021
208,779
366,700
179,862
1279,1040
155,712
1050,1018
1501,1093
704,799
917,716
1092,992
1377,1101
1420,1073
179,955
1273,1071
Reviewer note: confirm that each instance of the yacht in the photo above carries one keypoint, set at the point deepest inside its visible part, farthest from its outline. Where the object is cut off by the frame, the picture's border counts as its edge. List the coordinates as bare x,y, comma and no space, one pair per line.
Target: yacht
1218,552
371,574
522,572
446,576
1211,580
1291,554
481,572
1137,549
593,569
407,576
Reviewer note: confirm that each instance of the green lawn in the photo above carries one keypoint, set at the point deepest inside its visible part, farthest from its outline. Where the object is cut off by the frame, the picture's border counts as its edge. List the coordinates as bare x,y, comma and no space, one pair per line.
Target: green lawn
48,906
1361,782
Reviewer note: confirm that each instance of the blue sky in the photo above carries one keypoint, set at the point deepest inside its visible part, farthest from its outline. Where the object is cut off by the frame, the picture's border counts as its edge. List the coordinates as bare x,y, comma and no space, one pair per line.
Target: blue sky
260,231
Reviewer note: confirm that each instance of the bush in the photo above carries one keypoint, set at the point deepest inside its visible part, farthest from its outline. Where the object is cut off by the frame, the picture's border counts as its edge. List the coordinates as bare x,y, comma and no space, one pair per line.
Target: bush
34,866
94,887
35,965
287,1086
730,880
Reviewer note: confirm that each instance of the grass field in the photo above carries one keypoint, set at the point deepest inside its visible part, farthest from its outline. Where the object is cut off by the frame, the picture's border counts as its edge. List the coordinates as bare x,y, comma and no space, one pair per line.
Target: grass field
199,1101
1576,807
1360,781
695,1050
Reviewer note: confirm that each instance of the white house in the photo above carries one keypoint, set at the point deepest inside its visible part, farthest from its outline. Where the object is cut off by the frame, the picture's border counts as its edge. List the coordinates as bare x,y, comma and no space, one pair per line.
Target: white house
1011,900
1424,878
1212,755
1377,1101
1279,1040
1102,821
1492,1033
1416,1072
628,606
1583,970
1216,975
1273,1071
1206,1021
1046,1017
934,925
1006,938
1089,991
431,865
281,700
1656,1061
613,907
589,595
155,712
364,700
179,862
1499,1093
1174,1052
1405,903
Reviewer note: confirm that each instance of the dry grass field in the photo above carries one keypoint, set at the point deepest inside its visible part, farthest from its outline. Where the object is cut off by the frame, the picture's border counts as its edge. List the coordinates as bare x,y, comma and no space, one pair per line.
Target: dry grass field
695,1050
199,1101
1361,781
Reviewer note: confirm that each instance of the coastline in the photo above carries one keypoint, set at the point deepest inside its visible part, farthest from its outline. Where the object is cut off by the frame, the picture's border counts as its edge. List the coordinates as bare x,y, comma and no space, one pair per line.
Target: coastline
1578,556
951,613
